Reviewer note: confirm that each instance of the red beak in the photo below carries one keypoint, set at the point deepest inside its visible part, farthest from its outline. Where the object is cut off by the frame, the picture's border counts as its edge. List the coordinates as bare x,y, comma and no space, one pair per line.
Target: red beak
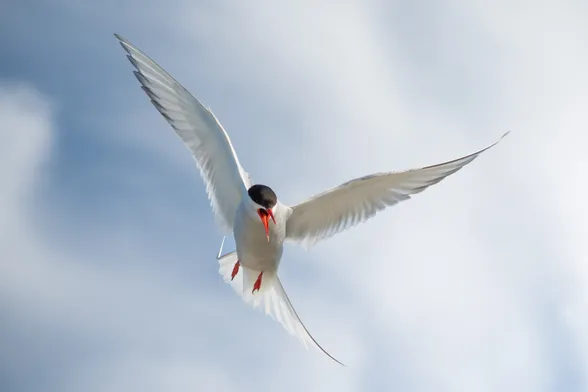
264,215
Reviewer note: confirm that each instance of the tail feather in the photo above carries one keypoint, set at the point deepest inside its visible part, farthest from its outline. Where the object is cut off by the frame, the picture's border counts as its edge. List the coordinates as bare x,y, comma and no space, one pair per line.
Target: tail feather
290,319
271,294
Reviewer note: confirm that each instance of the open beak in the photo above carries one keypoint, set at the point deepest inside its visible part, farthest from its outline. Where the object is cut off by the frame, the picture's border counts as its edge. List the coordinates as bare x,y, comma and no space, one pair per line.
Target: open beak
264,215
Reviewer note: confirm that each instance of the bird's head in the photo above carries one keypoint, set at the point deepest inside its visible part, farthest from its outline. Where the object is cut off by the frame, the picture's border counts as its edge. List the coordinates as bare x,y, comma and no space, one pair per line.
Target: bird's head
264,200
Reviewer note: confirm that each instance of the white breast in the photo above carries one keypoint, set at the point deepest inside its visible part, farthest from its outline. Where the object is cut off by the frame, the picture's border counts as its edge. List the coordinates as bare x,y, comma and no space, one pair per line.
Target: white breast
253,249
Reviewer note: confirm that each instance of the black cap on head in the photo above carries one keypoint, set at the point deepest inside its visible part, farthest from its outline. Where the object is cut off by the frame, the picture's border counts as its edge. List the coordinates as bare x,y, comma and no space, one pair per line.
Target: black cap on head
263,195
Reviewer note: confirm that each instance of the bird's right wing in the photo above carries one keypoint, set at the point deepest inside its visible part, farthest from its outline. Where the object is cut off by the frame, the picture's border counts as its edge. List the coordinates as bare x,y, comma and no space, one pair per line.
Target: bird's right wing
356,201
223,175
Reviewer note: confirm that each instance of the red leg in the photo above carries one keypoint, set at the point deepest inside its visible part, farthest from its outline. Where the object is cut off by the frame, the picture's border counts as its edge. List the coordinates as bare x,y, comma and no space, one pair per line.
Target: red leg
235,270
257,284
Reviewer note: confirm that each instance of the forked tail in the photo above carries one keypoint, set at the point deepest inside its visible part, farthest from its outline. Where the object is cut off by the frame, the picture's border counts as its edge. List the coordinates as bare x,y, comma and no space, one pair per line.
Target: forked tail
271,296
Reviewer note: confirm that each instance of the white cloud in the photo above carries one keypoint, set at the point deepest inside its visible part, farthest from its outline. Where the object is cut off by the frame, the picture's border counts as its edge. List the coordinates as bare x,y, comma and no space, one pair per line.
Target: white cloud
25,143
26,138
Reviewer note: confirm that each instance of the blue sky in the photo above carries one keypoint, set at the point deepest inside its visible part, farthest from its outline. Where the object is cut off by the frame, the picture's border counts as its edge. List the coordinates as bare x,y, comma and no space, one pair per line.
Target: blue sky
107,274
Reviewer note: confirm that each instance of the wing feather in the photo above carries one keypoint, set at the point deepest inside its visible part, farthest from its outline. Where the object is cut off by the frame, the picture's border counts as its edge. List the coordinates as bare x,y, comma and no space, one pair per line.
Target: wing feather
358,200
224,177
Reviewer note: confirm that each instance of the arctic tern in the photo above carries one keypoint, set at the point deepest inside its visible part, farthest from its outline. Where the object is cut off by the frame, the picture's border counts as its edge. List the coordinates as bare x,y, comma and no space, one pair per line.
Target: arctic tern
260,223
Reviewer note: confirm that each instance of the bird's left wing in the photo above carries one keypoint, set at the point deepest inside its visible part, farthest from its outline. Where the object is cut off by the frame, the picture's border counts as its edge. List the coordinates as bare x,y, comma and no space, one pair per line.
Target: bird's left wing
353,202
223,175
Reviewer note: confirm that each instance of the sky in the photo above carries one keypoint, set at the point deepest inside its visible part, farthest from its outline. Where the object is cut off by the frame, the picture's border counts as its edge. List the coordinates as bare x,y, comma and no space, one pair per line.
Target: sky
108,277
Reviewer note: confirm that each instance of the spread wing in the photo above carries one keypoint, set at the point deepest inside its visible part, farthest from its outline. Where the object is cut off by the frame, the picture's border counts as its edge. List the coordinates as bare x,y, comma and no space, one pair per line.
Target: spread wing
356,201
223,175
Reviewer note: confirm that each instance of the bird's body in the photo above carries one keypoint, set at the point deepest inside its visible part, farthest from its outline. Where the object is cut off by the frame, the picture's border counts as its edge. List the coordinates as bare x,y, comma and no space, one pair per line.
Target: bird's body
253,249
260,223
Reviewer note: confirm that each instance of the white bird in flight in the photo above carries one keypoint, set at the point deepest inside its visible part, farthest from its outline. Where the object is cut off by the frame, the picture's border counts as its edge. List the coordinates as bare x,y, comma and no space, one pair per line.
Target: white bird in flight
259,221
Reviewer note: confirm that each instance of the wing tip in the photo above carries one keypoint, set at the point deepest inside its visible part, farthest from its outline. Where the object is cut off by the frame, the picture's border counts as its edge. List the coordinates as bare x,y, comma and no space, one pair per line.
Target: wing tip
505,134
124,43
122,40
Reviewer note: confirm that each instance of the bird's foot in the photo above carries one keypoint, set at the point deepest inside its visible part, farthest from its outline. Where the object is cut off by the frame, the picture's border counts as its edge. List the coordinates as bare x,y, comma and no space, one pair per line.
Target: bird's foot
235,270
257,284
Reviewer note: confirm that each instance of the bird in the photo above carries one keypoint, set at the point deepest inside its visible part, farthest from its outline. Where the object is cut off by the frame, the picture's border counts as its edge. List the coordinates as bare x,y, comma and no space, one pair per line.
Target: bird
259,221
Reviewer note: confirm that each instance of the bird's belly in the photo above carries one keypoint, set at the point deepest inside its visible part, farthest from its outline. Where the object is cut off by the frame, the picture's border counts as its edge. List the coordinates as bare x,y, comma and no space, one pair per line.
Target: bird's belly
253,249
260,258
